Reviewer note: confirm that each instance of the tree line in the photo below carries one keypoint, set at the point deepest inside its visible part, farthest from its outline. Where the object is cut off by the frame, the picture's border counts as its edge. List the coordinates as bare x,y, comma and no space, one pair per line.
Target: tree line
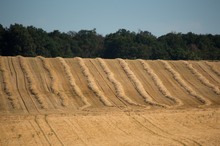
30,41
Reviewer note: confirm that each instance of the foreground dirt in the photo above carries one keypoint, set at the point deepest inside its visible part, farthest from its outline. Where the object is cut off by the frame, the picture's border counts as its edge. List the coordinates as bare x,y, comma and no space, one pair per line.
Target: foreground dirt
56,101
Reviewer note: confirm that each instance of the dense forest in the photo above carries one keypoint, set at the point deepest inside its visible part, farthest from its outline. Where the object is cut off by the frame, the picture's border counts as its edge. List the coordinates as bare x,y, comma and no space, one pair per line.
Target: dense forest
31,41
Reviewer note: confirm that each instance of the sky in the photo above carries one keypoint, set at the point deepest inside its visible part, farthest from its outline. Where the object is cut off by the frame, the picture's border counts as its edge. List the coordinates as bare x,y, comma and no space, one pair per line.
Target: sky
107,16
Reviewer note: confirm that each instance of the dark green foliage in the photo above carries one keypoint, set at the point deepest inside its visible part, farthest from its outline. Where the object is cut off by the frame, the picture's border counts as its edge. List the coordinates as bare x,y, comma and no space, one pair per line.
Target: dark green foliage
31,41
18,41
2,34
89,43
126,44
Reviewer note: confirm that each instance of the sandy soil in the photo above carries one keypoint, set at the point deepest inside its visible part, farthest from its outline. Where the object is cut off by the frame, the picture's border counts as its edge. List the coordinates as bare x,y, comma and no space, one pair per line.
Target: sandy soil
74,101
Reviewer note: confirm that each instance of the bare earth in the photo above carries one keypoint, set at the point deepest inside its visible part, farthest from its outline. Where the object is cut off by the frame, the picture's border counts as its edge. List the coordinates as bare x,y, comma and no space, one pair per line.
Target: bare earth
67,102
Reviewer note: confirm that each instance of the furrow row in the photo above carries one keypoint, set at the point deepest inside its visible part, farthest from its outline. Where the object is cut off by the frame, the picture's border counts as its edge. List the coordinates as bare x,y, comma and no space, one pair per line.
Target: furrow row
7,86
92,84
202,78
118,87
160,84
71,79
213,68
186,86
138,86
54,82
32,83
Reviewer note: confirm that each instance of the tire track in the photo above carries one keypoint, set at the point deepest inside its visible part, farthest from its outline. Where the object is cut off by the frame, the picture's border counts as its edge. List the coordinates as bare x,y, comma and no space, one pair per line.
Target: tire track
137,84
32,83
4,140
160,130
11,131
118,87
111,126
201,78
17,87
87,92
81,133
217,72
54,83
73,84
24,127
46,120
208,73
26,99
182,83
160,84
107,85
111,122
155,131
43,74
44,134
7,86
73,130
37,132
91,83
8,62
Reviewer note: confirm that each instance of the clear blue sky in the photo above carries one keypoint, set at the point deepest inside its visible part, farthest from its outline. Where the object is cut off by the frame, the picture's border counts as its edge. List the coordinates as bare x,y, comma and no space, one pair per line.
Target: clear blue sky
107,16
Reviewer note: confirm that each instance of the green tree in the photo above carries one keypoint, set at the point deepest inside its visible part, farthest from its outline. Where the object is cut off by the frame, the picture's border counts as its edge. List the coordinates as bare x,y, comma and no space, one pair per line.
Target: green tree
2,33
41,40
174,45
31,41
119,44
19,41
90,43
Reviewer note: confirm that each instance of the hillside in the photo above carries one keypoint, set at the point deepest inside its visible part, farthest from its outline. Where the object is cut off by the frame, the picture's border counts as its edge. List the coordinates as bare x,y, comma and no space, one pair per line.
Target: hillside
75,101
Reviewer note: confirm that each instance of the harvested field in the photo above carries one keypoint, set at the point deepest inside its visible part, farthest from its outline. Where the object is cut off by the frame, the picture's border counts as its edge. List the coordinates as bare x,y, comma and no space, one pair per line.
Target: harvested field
76,101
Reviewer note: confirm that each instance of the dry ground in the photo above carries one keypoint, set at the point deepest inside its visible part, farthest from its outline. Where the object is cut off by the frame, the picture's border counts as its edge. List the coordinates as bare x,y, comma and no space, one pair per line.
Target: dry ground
56,101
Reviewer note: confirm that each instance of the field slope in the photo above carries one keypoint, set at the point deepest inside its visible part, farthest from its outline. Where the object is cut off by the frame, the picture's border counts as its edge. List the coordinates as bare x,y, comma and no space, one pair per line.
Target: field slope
75,101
